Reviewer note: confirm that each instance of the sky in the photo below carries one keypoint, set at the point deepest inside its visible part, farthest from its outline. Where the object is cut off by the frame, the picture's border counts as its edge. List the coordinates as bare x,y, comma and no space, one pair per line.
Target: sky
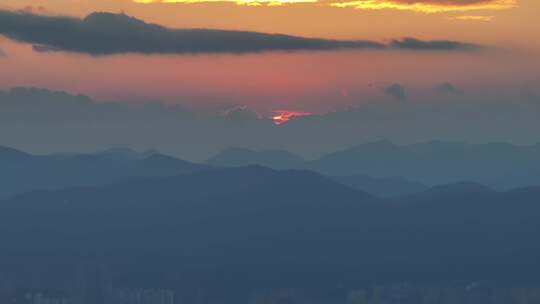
354,70
303,81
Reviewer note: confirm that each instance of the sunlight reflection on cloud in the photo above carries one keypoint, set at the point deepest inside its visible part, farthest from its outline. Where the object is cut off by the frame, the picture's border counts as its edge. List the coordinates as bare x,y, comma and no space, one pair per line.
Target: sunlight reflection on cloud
425,6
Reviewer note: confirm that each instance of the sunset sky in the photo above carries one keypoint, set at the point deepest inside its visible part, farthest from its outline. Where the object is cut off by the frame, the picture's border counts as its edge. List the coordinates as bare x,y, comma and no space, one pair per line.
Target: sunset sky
304,81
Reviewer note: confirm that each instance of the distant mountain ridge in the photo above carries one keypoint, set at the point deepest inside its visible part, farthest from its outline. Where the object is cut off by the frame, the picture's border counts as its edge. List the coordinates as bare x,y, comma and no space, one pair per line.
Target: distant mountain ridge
382,186
381,168
237,157
498,165
22,172
502,166
126,154
10,154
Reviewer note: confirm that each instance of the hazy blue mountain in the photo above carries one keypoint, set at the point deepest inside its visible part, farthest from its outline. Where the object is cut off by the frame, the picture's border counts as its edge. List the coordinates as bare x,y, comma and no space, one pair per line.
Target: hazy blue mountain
502,166
382,186
126,154
452,195
23,172
376,165
252,228
12,155
237,157
200,225
461,188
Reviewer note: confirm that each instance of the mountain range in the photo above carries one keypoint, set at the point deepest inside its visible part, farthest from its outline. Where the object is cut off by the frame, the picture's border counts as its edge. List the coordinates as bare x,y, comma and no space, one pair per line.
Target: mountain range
232,230
498,165
380,168
22,172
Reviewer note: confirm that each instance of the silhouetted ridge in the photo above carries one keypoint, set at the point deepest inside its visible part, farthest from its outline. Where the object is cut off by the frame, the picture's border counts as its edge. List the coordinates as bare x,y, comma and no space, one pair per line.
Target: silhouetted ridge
498,165
22,172
460,188
381,148
456,193
235,157
286,183
125,154
382,186
10,154
164,159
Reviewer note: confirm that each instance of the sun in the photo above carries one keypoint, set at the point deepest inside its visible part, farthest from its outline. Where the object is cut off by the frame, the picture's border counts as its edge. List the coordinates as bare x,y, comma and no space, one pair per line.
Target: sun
283,116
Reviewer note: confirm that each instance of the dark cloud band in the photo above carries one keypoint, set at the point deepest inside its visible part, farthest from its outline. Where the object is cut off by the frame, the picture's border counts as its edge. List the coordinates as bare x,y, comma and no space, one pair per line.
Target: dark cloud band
107,34
440,45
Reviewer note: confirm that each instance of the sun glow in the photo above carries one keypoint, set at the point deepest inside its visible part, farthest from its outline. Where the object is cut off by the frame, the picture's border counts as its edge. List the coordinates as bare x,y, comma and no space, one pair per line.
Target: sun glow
283,116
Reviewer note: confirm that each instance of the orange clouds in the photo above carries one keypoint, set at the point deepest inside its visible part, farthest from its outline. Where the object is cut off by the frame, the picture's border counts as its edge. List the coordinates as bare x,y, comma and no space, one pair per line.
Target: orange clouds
239,2
424,6
429,6
474,18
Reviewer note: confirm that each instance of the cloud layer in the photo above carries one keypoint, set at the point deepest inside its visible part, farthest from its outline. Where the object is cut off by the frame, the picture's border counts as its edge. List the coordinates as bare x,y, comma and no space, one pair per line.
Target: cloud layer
429,6
425,6
106,34
440,45
77,123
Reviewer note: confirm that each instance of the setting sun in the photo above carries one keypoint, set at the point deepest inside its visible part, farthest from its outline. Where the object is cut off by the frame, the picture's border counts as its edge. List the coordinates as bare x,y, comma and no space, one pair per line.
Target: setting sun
283,116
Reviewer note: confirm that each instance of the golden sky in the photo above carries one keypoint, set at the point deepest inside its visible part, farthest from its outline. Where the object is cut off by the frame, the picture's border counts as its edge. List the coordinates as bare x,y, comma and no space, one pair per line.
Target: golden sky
504,21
